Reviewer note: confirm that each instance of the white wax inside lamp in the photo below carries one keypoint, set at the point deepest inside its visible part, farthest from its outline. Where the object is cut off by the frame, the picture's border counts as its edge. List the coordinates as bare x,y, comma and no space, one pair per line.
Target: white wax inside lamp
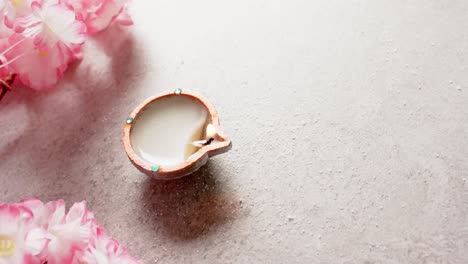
163,132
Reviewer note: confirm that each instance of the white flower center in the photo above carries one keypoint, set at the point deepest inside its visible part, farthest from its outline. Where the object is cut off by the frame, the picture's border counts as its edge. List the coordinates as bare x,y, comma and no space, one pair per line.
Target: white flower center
7,246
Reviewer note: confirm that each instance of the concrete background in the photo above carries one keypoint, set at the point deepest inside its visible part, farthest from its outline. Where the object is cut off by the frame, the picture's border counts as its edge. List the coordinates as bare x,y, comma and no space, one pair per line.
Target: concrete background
349,121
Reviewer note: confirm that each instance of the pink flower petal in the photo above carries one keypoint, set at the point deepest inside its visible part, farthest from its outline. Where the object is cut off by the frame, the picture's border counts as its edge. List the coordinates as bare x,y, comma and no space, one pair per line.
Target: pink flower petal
107,250
71,235
77,212
108,12
124,19
57,209
36,241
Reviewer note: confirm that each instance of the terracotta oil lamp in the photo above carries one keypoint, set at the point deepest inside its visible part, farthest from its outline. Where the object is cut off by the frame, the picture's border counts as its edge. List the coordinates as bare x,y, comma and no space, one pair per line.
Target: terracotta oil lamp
173,134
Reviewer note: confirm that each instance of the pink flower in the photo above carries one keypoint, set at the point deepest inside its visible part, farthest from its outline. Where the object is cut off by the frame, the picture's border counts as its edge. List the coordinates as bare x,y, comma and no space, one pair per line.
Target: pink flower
51,37
20,240
99,14
52,22
38,69
39,38
106,250
32,232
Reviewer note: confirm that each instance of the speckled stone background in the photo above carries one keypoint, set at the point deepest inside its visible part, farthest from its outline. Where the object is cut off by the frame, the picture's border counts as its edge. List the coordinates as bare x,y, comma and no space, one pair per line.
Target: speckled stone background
349,120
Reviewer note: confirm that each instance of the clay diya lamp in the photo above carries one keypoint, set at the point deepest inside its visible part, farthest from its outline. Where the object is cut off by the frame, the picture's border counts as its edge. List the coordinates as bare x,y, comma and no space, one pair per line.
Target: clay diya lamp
173,134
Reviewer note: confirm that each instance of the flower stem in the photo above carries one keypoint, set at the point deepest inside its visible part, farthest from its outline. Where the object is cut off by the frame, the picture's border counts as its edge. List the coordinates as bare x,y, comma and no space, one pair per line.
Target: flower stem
3,92
5,85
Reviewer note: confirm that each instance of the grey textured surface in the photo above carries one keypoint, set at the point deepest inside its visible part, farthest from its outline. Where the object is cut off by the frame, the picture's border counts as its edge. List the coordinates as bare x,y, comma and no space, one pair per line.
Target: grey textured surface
349,121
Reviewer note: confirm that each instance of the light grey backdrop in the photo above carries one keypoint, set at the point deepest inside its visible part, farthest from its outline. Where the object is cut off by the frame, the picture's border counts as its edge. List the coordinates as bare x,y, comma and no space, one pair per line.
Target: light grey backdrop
349,121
